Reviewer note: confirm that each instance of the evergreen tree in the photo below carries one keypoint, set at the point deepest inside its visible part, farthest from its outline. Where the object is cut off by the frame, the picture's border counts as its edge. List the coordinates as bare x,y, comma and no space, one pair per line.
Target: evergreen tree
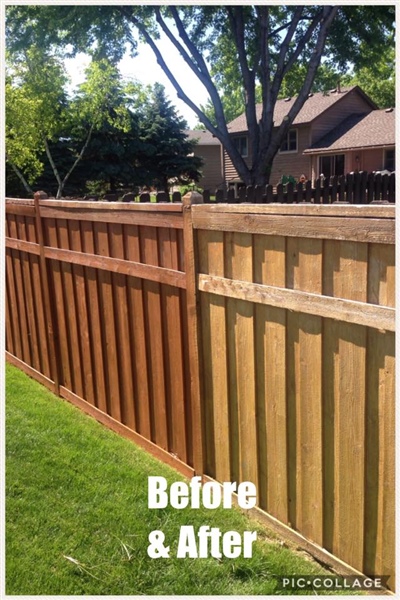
168,153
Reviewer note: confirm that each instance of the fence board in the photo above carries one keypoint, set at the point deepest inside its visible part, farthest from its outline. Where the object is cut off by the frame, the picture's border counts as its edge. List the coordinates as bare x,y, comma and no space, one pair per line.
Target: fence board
107,311
216,407
56,282
17,260
72,324
137,334
174,364
270,341
241,360
119,284
13,302
155,342
304,349
95,321
357,229
39,303
29,298
79,279
346,268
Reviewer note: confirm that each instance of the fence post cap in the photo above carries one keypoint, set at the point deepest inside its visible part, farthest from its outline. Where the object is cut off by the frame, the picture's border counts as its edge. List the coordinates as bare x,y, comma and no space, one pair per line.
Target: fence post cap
192,198
40,195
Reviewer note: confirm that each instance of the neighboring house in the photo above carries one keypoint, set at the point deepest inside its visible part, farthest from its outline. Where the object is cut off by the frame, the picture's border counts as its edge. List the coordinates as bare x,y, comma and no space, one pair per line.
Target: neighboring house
208,148
335,133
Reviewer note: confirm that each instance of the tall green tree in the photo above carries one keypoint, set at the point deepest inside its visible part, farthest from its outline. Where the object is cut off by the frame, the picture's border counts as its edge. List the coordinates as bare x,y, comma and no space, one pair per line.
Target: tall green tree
265,42
167,152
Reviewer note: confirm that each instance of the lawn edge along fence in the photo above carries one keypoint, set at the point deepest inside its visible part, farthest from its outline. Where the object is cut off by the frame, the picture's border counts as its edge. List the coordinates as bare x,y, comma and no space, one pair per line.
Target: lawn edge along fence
237,342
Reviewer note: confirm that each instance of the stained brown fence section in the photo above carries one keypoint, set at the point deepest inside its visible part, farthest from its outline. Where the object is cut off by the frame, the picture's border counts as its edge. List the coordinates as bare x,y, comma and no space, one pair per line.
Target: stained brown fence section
297,325
244,343
97,310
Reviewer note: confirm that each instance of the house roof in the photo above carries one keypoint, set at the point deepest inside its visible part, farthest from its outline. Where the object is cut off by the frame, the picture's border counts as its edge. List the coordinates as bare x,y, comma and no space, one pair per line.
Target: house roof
314,106
204,138
375,129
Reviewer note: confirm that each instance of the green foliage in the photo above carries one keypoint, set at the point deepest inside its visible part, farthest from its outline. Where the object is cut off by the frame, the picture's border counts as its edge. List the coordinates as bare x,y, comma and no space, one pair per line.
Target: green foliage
377,78
166,147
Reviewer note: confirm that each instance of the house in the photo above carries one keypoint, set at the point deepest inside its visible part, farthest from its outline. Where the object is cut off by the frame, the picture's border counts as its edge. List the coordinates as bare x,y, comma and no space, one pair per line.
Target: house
334,133
209,149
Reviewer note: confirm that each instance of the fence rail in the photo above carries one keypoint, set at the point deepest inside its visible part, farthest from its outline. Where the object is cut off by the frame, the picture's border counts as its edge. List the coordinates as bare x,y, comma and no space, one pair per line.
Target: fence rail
236,342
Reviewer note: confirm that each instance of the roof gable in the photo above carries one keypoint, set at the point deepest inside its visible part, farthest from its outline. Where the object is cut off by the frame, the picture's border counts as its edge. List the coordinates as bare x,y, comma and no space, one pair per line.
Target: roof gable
315,105
375,129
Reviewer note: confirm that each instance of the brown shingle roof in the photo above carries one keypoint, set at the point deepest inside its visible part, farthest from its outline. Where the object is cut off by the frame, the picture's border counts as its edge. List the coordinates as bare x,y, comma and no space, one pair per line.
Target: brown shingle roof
314,106
204,138
376,129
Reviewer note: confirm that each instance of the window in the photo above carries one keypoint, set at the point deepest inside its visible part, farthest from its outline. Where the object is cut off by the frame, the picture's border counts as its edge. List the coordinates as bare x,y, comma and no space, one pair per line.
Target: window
332,164
241,145
390,160
289,144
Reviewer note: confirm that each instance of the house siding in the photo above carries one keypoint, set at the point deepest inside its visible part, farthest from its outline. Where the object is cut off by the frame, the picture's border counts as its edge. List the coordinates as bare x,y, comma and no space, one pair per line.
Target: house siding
293,163
212,171
285,163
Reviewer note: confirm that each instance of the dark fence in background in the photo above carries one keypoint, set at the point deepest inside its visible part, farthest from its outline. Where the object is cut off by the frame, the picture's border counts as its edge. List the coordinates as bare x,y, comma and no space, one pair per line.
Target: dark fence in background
357,188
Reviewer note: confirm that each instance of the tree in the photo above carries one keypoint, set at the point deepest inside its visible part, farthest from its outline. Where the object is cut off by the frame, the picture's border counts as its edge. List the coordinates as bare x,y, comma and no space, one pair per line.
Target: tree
265,42
377,78
167,152
40,117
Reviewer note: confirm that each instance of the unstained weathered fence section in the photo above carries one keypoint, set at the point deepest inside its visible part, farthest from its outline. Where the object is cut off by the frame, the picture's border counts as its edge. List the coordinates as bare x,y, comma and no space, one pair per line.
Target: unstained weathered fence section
241,342
297,326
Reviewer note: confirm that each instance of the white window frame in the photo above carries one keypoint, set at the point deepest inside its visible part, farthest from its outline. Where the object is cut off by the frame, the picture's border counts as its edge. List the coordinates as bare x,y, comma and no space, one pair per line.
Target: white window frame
287,140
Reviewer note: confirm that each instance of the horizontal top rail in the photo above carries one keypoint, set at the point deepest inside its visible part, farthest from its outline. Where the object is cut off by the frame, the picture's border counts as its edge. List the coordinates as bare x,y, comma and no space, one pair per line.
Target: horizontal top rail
325,210
99,205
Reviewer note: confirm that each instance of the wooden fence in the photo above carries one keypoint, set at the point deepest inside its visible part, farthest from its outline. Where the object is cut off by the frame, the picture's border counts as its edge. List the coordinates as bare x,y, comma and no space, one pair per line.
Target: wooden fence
240,342
353,188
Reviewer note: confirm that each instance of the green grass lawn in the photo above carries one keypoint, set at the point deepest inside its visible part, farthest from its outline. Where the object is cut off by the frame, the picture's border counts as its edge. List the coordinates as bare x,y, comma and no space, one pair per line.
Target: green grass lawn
77,520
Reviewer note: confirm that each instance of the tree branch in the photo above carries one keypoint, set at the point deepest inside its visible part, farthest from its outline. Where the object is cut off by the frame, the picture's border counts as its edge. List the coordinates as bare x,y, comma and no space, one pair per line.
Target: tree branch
221,131
79,157
21,177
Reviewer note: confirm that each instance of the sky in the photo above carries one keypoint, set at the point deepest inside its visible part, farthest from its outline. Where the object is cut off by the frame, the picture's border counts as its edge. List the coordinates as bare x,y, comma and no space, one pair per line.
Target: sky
144,68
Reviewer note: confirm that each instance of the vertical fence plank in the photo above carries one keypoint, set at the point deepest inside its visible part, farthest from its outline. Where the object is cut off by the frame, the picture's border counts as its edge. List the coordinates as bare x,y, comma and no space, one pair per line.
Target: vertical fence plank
17,259
39,302
110,349
79,279
239,265
72,323
304,367
13,302
29,301
270,342
137,333
194,352
174,363
122,330
345,276
380,421
216,409
153,327
55,280
95,320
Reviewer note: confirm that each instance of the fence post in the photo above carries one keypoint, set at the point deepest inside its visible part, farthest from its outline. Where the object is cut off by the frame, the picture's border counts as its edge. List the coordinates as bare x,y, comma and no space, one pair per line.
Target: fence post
48,309
192,305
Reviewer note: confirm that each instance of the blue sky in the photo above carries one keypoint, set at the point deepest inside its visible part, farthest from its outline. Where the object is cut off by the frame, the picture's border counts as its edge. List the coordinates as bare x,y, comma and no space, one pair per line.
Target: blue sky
144,68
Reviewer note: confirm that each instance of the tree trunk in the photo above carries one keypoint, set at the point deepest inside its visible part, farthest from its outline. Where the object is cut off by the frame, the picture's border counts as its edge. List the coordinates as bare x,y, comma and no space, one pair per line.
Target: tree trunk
22,178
